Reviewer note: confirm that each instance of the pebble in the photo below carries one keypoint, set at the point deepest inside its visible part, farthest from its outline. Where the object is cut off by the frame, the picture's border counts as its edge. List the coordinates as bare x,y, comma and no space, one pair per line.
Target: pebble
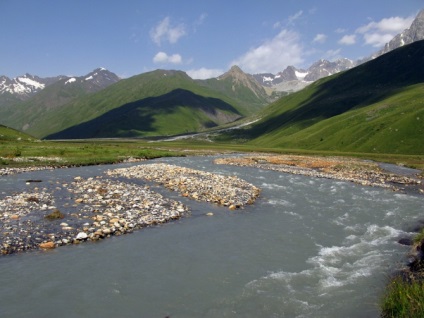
229,191
115,212
100,207
345,169
81,236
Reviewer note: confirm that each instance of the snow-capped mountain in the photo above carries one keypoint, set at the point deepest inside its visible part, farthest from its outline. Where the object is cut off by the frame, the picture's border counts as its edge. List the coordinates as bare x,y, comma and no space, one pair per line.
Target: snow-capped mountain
289,74
414,33
293,79
25,86
323,68
94,81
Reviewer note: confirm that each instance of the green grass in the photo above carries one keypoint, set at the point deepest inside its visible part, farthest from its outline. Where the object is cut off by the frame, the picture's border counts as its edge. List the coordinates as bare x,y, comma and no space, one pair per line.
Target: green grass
404,296
377,107
41,121
419,237
403,299
394,125
91,152
11,135
179,111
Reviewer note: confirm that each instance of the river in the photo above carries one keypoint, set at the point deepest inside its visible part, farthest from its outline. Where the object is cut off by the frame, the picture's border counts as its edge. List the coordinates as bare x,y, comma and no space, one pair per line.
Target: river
307,247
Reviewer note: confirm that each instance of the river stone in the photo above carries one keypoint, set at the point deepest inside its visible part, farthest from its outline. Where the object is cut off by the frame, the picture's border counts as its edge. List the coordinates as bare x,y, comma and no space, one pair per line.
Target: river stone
47,245
82,236
405,241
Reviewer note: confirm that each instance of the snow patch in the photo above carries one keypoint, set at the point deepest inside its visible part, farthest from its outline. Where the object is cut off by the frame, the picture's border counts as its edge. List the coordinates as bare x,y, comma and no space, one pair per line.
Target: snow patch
19,88
89,78
300,75
71,80
31,82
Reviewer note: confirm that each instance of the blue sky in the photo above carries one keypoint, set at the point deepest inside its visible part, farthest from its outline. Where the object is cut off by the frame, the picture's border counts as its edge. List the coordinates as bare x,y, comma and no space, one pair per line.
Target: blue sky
202,37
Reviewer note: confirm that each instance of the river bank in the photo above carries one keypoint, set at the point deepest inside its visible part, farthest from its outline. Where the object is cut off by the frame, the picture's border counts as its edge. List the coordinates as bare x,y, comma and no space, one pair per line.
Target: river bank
362,172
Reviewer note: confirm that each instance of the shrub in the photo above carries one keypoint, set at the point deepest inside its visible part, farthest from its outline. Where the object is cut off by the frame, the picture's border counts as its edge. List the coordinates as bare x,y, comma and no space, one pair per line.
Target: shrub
404,298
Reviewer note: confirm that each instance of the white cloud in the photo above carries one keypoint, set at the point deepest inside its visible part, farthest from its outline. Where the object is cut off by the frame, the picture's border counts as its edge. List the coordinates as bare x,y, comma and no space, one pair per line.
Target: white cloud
164,31
320,38
340,30
348,39
273,55
379,33
294,17
394,24
164,58
204,73
377,39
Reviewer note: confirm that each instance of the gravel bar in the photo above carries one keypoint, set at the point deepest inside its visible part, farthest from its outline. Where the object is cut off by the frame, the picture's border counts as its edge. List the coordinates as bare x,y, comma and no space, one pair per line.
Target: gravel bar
228,191
93,209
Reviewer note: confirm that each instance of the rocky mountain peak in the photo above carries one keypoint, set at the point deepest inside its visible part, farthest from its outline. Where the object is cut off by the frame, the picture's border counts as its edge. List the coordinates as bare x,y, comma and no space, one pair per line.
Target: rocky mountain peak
25,86
414,33
234,72
101,77
240,78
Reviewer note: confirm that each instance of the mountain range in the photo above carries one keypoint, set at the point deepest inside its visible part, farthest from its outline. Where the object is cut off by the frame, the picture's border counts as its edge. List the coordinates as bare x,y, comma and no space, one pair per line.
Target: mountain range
377,106
292,79
161,102
289,80
169,102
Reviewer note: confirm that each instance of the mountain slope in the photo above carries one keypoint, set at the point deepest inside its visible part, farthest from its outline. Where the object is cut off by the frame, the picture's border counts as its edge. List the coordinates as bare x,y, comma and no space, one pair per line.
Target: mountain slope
378,97
25,86
414,33
241,87
24,115
10,134
178,111
19,89
131,90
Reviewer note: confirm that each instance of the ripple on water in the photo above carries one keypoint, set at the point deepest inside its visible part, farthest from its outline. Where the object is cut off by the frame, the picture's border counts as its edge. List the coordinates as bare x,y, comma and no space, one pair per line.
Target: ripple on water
332,270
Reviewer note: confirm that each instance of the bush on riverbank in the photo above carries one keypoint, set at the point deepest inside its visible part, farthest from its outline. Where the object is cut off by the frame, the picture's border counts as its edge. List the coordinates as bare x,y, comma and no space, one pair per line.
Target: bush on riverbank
404,296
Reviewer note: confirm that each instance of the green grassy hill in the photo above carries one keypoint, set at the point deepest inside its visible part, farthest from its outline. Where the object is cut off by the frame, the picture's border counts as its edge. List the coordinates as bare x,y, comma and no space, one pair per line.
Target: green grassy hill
139,90
10,134
27,115
375,107
241,87
179,111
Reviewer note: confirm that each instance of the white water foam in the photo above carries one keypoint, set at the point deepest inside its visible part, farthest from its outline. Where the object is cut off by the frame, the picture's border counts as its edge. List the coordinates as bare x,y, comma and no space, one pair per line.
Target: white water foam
281,202
273,186
333,269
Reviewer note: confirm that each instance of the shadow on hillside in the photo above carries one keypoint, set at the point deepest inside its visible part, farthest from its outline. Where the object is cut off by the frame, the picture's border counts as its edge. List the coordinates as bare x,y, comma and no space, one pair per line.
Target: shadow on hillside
364,85
139,117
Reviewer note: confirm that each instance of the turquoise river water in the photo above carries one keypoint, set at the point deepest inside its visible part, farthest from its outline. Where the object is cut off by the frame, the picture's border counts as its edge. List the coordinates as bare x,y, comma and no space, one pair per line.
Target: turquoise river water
308,247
